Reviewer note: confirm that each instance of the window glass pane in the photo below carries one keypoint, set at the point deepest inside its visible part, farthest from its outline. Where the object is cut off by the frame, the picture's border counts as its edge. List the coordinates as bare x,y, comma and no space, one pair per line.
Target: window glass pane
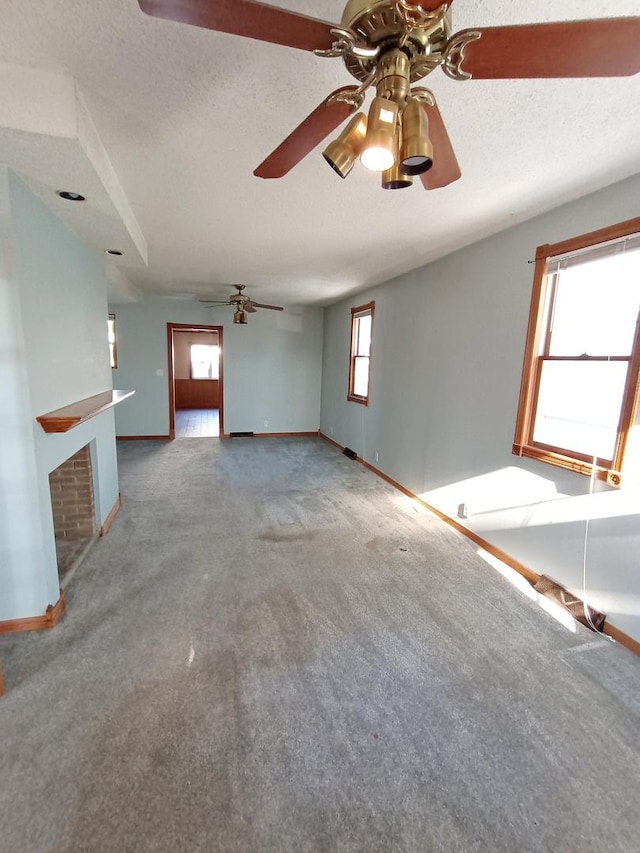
363,335
111,337
596,307
200,370
579,405
361,376
205,360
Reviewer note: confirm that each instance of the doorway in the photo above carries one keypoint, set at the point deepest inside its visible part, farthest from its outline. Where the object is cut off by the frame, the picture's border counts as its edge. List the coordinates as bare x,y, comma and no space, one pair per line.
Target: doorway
195,381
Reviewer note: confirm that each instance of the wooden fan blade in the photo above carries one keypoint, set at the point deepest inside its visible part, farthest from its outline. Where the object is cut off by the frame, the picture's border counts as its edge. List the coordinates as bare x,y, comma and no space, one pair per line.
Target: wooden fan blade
270,307
317,126
445,169
246,18
214,302
597,48
248,307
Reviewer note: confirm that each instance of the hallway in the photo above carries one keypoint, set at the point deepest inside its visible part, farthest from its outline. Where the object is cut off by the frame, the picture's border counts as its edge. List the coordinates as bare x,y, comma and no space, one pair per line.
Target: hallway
197,423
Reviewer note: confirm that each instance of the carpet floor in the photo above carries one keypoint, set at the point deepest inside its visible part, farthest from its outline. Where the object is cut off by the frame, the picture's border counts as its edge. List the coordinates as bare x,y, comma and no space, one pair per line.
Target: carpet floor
273,650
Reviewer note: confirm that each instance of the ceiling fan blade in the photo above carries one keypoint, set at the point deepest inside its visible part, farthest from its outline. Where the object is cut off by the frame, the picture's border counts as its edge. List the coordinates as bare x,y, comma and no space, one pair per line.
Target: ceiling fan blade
246,18
445,169
317,126
597,48
214,302
270,307
248,307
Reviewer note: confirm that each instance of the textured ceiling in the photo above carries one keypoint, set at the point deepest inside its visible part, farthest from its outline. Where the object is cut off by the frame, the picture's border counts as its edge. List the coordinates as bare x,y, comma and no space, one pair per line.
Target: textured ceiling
185,115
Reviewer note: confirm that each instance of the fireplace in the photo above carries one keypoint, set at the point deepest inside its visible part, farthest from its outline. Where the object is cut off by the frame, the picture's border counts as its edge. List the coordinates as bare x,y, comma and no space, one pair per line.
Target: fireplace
74,519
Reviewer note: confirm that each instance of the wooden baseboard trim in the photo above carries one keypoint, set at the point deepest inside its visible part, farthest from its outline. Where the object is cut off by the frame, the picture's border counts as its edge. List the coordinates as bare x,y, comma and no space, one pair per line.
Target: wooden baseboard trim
49,619
362,462
531,576
143,438
620,637
112,514
331,441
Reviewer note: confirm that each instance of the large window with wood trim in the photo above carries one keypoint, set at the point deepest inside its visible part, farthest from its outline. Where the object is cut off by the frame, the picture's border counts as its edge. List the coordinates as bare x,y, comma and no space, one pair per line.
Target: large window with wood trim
579,392
360,354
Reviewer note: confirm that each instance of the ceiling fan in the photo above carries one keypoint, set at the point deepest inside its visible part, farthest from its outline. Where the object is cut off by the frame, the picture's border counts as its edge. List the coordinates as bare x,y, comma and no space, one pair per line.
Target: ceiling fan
243,304
390,45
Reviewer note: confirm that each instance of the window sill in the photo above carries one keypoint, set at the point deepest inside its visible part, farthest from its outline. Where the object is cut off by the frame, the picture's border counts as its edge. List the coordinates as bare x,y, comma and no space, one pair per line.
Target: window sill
364,401
554,457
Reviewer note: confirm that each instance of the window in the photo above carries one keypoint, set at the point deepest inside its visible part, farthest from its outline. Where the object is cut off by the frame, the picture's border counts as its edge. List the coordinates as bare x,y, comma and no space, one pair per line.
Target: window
360,355
111,337
579,392
205,361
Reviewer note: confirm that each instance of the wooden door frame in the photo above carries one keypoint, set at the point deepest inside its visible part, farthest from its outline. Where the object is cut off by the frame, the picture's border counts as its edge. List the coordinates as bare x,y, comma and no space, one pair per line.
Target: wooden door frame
192,327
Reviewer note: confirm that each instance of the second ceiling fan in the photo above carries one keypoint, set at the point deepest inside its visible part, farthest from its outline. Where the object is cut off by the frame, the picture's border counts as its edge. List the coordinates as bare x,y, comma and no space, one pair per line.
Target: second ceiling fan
390,45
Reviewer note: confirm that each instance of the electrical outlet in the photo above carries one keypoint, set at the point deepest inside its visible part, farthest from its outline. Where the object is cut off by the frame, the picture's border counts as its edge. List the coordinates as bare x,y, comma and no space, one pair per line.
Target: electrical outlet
463,511
265,423
331,431
159,371
376,455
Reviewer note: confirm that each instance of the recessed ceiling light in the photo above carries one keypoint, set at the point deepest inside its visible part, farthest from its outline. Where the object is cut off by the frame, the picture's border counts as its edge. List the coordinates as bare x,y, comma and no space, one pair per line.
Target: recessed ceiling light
70,196
114,252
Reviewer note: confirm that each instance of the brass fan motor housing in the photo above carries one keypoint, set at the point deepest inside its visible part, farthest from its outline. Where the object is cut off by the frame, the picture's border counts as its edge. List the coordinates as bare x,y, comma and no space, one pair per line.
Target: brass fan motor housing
379,23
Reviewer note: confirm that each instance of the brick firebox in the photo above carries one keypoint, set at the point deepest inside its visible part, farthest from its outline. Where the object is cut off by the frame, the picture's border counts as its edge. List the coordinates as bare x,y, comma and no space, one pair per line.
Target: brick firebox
71,486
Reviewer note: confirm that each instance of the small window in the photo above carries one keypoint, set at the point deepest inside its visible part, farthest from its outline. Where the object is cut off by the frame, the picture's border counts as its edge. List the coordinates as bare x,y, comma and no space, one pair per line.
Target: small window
360,355
579,392
205,361
111,337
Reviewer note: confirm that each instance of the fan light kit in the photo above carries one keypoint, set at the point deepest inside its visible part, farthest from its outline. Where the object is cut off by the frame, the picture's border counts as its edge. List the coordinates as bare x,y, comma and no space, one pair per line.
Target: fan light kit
390,45
243,305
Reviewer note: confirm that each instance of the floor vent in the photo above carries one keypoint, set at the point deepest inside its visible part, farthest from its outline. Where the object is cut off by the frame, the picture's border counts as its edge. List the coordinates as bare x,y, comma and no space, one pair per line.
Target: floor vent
240,435
351,454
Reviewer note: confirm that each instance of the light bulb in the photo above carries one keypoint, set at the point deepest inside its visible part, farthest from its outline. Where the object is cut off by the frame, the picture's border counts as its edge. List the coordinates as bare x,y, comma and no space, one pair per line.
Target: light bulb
377,159
379,150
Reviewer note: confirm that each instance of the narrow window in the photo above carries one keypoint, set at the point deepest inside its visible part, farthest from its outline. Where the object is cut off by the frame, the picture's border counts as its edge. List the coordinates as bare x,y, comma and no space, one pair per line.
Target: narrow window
205,361
111,337
579,391
360,355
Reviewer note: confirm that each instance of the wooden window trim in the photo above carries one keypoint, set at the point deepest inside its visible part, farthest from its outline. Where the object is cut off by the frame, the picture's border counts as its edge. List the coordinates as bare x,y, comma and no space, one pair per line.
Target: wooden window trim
609,470
359,311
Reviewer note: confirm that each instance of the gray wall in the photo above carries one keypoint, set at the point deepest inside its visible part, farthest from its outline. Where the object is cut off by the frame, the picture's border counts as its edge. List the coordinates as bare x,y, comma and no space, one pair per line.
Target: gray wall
272,366
54,352
447,352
